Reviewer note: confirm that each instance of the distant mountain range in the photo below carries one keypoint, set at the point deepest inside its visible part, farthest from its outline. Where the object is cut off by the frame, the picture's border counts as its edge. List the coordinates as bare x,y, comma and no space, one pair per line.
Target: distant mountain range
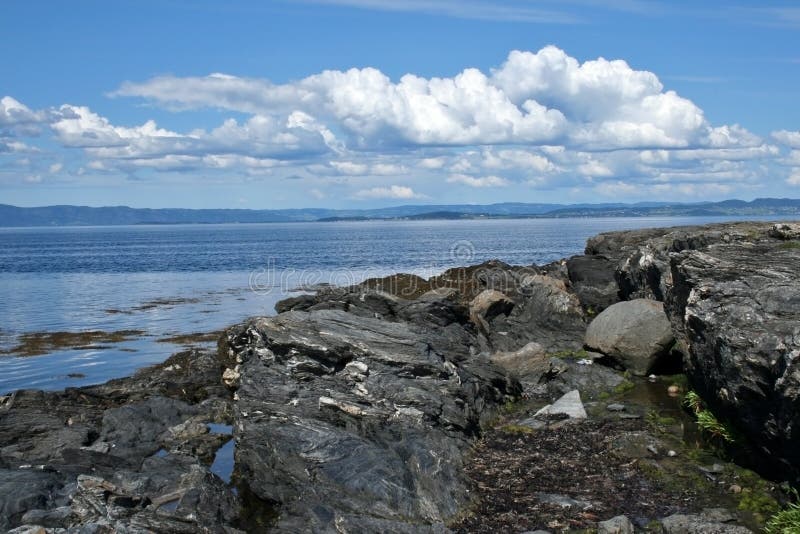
120,215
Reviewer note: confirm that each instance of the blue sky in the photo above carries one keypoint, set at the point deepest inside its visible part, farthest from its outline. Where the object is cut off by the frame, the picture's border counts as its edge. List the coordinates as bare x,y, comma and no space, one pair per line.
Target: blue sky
361,103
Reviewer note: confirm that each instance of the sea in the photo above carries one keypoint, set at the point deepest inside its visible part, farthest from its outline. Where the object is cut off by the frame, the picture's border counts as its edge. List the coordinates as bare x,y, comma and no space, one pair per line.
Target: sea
158,287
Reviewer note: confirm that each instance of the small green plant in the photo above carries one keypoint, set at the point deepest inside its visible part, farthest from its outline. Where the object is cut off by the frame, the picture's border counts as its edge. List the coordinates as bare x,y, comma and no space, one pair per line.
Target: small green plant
707,421
712,427
624,387
693,402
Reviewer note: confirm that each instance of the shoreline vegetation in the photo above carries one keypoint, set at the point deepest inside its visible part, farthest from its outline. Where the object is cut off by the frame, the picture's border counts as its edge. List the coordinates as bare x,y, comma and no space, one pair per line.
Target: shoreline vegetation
576,396
13,216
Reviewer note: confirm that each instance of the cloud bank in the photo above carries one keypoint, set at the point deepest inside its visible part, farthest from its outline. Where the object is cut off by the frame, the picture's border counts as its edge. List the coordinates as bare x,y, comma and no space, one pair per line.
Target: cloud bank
541,120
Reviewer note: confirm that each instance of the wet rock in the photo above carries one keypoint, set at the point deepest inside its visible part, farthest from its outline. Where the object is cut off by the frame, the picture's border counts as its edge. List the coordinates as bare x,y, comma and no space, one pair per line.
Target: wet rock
101,474
616,525
636,333
135,430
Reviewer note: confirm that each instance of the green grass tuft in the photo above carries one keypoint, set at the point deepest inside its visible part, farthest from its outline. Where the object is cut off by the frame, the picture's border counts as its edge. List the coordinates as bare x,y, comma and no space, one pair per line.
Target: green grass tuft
787,521
707,422
693,401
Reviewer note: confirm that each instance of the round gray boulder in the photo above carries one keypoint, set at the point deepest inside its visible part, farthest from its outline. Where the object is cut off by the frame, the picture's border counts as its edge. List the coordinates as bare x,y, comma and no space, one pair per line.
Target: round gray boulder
636,333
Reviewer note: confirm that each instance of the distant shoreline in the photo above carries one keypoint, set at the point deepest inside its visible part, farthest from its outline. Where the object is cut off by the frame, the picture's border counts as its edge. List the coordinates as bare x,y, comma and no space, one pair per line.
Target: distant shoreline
73,216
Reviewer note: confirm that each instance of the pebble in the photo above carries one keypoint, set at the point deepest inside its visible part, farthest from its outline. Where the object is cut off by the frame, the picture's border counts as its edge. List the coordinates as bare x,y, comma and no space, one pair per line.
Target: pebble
615,407
673,390
672,454
735,488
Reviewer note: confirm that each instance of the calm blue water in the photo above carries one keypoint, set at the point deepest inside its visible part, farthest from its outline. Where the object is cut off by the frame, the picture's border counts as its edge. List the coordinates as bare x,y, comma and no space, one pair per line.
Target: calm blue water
167,280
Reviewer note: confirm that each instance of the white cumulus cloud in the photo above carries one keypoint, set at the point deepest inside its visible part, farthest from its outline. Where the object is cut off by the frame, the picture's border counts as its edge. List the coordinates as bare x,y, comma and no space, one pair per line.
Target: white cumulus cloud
399,192
481,181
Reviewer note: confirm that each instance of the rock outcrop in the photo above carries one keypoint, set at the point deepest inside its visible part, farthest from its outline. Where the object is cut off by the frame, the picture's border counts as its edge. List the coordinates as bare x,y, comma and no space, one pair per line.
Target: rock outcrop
365,421
732,293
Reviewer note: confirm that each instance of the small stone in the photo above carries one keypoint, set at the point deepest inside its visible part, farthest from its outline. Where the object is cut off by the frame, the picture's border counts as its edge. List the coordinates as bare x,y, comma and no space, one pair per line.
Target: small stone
735,488
672,454
652,449
615,407
231,377
673,390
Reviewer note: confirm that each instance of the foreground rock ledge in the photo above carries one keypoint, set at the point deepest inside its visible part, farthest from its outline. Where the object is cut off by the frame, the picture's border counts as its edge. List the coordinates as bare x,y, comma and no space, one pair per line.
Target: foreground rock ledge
359,424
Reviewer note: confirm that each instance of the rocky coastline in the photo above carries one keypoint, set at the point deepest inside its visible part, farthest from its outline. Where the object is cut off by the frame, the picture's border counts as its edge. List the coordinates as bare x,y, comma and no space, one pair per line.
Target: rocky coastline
488,398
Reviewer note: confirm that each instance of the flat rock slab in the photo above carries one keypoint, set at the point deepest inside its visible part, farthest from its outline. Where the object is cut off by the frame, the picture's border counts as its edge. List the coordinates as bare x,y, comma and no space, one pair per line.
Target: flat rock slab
569,404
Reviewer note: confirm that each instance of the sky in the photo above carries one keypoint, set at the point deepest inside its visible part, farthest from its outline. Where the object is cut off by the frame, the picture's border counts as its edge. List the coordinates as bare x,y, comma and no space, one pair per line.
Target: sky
369,103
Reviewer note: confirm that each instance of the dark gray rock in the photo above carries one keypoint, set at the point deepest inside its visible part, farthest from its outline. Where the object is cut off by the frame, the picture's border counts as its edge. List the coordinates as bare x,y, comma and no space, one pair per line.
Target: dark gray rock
373,430
737,310
593,281
22,490
56,518
546,312
135,430
636,333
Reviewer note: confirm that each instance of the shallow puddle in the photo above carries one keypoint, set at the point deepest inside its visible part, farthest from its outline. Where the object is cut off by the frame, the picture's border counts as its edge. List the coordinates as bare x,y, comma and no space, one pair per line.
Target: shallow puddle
223,463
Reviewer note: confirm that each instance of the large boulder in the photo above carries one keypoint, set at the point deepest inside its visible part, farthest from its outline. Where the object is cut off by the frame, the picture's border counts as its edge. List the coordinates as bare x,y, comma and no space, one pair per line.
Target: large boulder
636,333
